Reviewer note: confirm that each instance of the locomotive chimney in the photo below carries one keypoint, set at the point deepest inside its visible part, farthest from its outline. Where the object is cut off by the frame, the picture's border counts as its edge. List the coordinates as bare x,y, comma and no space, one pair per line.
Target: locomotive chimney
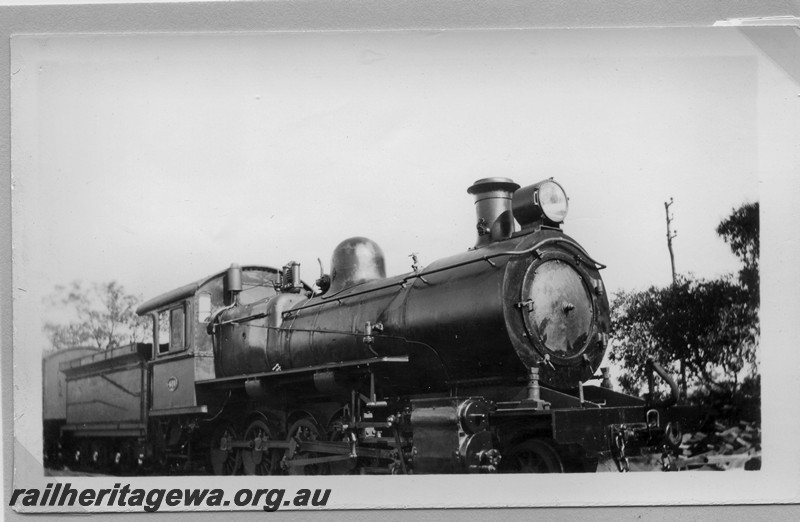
495,219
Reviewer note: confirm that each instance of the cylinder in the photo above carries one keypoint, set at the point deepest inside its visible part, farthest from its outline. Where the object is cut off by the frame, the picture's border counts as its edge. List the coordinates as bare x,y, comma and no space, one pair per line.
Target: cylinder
233,279
493,198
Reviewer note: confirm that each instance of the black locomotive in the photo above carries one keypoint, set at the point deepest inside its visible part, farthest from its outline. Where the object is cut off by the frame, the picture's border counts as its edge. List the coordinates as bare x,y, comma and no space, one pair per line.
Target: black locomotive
474,363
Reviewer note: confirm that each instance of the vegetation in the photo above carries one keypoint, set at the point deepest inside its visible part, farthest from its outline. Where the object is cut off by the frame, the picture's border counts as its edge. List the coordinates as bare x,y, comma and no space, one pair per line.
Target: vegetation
102,315
740,231
705,330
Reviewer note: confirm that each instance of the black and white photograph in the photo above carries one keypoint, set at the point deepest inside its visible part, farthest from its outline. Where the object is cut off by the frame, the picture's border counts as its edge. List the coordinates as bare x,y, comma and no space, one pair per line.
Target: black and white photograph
404,267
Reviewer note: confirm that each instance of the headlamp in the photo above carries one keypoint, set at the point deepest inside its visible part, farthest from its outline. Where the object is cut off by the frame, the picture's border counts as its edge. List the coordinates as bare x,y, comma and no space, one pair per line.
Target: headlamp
544,201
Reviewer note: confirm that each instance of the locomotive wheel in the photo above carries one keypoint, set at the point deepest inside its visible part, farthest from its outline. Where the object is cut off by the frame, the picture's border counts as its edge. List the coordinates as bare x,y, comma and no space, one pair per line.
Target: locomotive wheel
224,459
82,455
98,455
532,456
123,457
255,461
305,430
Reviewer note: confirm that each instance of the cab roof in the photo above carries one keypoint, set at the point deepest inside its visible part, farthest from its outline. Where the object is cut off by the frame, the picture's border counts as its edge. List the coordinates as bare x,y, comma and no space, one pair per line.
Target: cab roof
189,290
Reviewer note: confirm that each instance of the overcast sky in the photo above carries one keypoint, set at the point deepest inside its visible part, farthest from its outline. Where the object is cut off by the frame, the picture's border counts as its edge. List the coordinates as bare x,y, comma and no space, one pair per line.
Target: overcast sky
155,160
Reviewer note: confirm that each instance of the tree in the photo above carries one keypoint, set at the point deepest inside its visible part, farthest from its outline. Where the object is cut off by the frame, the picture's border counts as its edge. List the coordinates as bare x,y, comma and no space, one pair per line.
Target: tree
741,231
712,325
706,323
96,314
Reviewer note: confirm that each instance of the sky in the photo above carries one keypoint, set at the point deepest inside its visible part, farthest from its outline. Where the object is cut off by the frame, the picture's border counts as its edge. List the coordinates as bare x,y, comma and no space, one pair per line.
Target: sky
155,160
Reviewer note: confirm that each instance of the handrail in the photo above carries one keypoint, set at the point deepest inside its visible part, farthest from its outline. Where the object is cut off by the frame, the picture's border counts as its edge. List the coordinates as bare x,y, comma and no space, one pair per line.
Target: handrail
421,275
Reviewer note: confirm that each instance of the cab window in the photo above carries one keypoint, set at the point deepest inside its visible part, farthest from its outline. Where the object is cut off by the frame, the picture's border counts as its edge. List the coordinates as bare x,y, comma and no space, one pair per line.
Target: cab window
171,330
203,307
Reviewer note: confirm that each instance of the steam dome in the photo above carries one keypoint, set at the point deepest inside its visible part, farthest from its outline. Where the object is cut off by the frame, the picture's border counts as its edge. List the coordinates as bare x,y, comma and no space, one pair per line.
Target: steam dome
356,260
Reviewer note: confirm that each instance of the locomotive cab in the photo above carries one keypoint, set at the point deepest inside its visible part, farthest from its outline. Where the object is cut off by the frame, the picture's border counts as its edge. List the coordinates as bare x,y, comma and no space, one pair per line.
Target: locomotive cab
185,351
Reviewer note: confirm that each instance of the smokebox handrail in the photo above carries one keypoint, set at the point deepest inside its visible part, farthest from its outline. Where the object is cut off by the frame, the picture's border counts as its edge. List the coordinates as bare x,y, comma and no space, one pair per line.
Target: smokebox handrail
420,275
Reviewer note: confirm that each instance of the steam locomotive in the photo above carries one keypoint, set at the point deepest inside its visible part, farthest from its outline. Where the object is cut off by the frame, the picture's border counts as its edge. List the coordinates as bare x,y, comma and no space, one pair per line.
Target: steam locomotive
477,363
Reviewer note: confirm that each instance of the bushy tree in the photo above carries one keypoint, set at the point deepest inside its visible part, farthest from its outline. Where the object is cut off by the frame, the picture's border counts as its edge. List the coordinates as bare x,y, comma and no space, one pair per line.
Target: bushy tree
741,231
711,326
707,324
97,314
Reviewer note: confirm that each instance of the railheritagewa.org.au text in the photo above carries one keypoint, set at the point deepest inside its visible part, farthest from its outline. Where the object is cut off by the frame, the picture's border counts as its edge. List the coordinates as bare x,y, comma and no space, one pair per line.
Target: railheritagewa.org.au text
152,499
